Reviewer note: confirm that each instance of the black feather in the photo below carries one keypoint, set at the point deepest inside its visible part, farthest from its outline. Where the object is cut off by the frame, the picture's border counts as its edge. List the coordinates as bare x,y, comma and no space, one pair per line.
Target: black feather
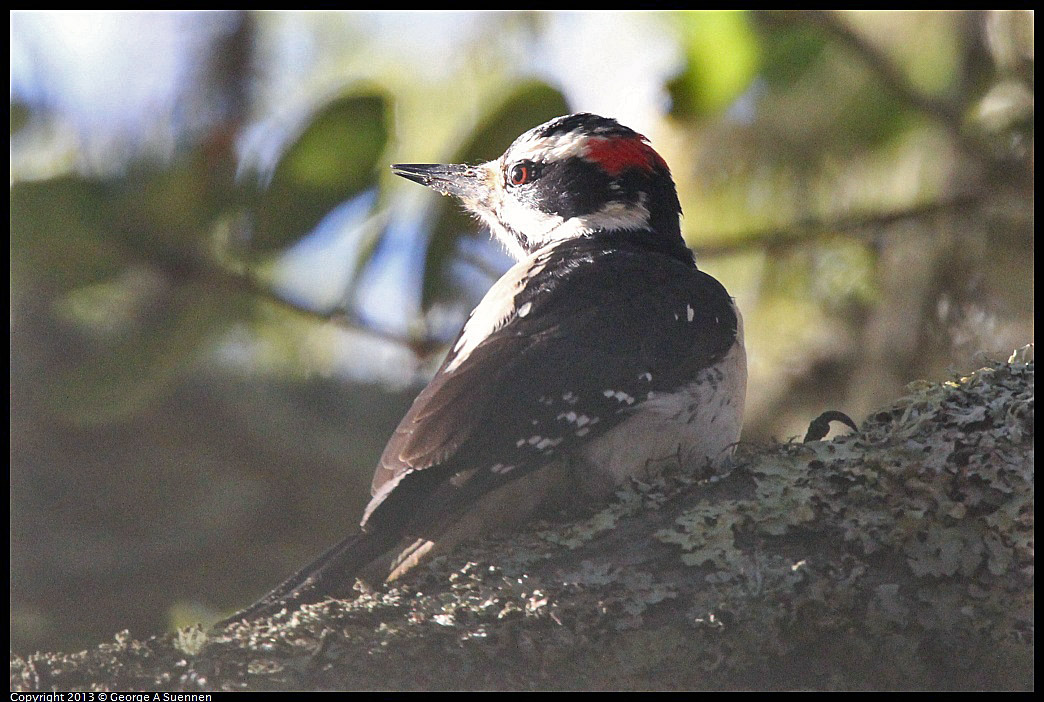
605,312
331,575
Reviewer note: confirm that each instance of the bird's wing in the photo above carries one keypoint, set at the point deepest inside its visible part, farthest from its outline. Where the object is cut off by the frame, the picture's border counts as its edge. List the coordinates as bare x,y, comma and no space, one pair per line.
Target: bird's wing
583,341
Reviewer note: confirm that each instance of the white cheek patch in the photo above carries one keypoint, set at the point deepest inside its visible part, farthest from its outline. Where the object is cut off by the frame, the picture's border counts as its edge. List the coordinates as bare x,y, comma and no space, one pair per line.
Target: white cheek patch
535,225
541,228
614,216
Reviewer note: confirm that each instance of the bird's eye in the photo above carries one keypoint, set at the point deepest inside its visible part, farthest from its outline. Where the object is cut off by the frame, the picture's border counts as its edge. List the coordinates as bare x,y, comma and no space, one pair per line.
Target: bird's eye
521,173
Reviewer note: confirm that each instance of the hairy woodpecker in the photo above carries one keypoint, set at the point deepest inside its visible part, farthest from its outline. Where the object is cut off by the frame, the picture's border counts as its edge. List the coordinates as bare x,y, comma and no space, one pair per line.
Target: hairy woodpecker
602,351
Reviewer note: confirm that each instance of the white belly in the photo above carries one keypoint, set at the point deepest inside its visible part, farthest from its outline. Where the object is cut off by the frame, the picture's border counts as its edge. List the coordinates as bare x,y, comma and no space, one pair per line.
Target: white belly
699,423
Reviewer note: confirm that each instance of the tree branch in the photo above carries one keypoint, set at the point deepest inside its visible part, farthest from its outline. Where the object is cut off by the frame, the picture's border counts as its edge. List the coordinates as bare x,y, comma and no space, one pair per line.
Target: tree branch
812,229
422,346
897,557
947,113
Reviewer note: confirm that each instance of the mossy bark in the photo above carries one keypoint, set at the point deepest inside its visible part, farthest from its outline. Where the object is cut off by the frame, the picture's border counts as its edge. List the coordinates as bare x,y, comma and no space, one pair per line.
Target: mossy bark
900,556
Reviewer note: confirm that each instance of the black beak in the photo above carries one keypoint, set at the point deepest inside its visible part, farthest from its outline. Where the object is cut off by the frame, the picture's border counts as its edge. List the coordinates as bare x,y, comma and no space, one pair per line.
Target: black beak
449,179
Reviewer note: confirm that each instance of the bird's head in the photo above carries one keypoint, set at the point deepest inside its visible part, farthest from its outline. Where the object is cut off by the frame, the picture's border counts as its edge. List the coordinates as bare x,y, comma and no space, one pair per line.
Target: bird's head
569,177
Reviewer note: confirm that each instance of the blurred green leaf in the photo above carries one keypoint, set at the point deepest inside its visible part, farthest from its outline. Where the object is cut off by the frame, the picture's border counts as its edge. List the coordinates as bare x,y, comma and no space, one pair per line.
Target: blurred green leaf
872,117
176,204
722,57
125,377
789,51
524,107
20,116
58,231
818,103
334,158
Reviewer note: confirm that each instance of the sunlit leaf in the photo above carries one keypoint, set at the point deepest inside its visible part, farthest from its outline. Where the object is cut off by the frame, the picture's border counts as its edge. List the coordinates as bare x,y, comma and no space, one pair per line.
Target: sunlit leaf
334,157
525,107
722,57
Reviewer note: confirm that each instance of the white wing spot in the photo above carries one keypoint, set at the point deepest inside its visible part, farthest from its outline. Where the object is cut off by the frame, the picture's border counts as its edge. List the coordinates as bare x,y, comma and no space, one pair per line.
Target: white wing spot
689,312
646,377
548,443
524,309
619,395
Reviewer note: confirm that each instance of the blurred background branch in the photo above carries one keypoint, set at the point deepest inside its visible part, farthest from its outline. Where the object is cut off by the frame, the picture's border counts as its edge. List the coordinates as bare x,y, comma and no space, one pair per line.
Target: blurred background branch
948,112
811,230
222,303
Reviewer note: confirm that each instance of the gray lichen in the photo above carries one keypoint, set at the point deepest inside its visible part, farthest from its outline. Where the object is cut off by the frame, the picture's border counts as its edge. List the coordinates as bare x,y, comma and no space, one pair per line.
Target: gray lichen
900,556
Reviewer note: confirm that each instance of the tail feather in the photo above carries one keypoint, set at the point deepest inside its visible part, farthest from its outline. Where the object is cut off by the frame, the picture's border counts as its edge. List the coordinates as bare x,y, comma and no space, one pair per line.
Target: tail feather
331,575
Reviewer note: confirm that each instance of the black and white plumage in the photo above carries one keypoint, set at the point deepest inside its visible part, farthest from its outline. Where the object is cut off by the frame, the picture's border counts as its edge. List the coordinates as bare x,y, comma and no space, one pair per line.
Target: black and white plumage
603,350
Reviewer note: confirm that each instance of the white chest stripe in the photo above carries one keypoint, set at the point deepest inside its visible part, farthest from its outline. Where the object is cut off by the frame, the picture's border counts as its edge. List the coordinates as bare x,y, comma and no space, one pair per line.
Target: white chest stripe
498,306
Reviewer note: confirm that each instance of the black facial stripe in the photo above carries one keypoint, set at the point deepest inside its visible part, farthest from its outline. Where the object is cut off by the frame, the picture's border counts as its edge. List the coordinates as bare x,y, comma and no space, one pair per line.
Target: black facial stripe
577,187
572,188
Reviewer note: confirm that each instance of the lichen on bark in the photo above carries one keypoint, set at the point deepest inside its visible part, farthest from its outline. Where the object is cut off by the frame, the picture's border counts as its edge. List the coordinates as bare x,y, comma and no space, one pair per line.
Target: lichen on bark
899,556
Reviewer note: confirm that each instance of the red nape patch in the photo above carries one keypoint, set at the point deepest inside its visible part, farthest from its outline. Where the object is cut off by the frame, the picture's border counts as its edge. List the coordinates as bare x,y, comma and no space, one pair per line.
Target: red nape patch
617,155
